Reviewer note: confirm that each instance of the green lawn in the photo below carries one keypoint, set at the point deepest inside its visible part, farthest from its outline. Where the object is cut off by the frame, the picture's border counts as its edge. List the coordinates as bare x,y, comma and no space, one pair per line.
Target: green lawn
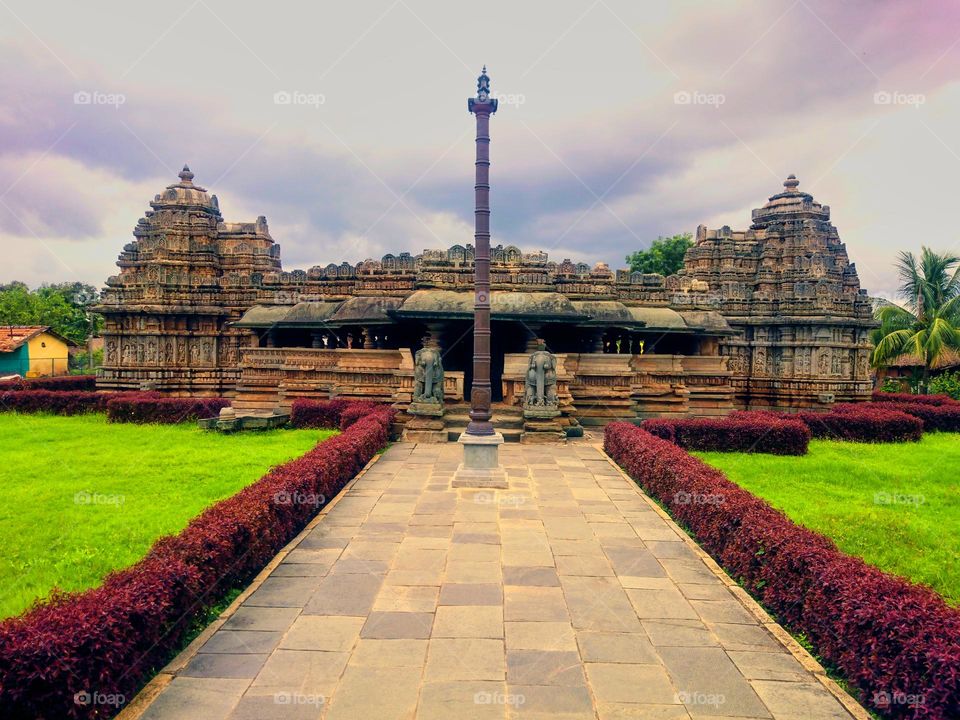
895,505
82,497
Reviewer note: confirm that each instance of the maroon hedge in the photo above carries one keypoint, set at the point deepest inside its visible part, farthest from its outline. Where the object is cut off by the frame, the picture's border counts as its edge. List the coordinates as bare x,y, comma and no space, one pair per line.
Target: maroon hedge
888,637
133,409
910,398
63,382
109,640
862,422
746,432
943,418
317,413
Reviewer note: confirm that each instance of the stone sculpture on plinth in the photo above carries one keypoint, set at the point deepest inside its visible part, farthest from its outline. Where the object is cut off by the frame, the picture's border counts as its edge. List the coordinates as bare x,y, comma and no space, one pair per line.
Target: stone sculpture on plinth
541,407
427,383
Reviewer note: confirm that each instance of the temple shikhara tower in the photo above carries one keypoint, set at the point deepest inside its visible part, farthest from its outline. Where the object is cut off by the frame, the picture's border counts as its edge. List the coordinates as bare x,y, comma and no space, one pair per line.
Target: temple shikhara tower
768,317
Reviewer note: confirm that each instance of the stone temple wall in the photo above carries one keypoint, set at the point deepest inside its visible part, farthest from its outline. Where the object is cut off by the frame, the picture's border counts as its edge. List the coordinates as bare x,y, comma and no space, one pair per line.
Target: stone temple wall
785,286
788,288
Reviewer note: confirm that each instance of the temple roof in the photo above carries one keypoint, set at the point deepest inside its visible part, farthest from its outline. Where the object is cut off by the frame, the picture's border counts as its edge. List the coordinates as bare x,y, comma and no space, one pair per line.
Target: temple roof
540,307
186,194
448,304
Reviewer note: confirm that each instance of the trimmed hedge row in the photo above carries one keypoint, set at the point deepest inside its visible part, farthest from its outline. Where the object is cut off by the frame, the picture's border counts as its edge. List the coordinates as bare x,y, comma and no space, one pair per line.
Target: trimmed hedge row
59,383
859,423
108,640
132,409
944,418
911,398
888,637
335,413
58,402
744,432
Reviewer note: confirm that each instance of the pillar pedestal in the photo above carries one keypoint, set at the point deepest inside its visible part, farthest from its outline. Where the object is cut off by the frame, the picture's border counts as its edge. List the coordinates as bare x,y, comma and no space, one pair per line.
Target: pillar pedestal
481,463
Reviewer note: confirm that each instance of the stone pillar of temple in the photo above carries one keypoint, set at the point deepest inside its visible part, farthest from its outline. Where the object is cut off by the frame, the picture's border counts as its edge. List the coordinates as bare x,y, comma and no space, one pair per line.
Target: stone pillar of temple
481,465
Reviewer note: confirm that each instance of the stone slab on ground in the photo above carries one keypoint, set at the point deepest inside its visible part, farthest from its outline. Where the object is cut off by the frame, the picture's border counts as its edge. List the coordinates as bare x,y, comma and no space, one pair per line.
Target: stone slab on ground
569,595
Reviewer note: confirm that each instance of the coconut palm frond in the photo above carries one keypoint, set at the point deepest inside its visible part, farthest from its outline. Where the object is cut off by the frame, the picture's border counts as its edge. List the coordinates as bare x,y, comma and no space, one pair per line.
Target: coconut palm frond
891,346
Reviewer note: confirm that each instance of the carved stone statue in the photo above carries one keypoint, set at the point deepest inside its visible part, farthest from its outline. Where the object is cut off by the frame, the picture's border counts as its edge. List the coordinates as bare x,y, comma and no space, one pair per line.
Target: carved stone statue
540,394
427,382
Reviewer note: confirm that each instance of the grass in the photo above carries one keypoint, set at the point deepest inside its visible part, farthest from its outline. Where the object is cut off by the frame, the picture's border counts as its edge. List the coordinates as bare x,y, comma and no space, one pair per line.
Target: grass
895,505
83,497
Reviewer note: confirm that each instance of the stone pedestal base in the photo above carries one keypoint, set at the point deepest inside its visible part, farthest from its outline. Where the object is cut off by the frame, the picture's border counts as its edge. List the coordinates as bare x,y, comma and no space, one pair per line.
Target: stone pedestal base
425,430
481,462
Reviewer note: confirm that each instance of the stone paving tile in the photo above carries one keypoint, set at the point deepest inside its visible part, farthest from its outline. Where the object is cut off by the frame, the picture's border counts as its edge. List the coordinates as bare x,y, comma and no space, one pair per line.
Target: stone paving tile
471,594
223,665
465,659
389,653
283,592
534,603
397,625
540,636
312,672
187,698
261,618
623,682
242,641
607,647
535,576
544,667
567,596
347,594
703,673
799,701
468,621
382,693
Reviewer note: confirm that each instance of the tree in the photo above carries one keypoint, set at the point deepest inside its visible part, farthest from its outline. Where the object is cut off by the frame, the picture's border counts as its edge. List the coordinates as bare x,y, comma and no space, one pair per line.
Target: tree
930,322
665,256
64,307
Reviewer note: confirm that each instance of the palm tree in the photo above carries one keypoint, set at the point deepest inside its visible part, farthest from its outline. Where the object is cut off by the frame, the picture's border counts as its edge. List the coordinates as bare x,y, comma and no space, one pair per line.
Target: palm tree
930,322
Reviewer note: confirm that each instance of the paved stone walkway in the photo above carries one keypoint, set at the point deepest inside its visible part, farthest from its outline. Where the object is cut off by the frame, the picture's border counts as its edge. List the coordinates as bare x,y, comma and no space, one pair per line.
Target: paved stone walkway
567,596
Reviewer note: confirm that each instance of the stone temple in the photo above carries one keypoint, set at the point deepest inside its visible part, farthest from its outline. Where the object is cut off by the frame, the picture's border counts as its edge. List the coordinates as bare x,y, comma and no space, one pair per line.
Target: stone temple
768,317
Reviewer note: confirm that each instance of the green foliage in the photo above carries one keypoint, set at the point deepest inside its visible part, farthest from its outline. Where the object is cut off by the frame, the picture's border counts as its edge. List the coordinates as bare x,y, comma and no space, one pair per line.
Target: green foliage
80,362
887,502
64,307
947,383
665,256
892,385
68,524
930,322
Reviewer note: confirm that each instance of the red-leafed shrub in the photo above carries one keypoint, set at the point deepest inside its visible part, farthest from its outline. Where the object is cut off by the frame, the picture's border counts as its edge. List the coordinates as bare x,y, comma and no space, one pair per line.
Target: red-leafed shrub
910,398
306,413
862,422
133,409
945,418
59,383
109,639
759,433
63,402
357,410
888,637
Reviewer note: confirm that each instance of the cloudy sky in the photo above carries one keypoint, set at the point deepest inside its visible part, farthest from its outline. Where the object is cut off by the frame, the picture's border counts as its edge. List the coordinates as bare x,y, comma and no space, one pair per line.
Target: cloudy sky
619,121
